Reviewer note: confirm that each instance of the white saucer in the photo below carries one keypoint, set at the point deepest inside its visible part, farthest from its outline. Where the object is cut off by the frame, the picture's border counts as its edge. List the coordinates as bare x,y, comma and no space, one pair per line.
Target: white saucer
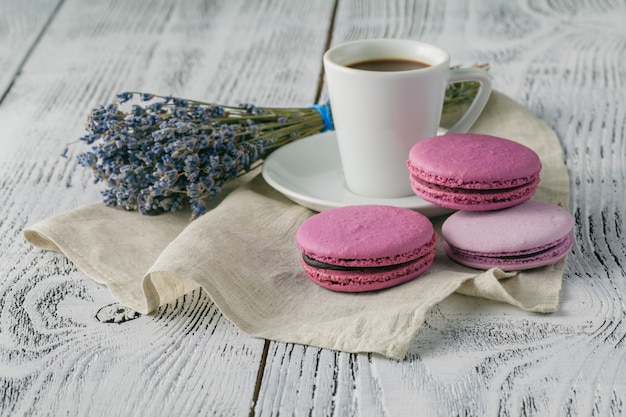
308,171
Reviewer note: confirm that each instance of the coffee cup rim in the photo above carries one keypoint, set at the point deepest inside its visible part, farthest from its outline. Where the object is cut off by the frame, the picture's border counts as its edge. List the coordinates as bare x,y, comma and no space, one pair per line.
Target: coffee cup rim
348,53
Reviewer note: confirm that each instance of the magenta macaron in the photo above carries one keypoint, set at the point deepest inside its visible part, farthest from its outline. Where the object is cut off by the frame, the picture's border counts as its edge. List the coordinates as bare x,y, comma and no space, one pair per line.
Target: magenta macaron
473,172
529,235
365,248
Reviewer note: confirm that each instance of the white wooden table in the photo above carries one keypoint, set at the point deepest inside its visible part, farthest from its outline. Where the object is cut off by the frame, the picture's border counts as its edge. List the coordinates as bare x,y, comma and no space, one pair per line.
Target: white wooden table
563,59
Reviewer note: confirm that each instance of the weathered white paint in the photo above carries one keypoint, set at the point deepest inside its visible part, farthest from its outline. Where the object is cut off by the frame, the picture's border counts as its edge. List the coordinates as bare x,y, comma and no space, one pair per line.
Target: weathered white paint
563,59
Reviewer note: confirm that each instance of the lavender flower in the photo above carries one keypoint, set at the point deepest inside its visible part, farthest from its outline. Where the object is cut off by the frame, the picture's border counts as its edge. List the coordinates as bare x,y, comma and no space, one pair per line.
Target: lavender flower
167,153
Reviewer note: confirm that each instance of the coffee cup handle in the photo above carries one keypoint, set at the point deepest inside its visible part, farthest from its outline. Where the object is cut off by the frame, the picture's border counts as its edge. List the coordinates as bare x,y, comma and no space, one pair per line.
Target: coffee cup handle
459,75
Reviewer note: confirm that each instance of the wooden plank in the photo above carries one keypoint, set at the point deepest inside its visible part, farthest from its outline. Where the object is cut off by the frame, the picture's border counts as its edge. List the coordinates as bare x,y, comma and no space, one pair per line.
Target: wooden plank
21,25
475,357
56,356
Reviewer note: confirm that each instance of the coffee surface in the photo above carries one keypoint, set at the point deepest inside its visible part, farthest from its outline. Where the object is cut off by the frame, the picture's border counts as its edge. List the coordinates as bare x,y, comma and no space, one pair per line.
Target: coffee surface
389,65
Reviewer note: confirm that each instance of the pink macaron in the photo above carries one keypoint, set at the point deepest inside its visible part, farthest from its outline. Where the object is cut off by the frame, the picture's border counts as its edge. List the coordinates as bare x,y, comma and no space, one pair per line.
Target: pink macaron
473,172
366,248
529,235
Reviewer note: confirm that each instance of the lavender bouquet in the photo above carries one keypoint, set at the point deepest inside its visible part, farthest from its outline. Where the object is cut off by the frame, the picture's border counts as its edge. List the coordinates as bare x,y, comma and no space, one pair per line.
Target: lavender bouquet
158,154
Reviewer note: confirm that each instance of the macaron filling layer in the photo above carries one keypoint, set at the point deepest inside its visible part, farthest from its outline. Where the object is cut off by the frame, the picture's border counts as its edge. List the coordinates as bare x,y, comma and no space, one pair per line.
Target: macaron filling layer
425,177
378,265
565,240
368,278
322,265
531,258
459,198
381,261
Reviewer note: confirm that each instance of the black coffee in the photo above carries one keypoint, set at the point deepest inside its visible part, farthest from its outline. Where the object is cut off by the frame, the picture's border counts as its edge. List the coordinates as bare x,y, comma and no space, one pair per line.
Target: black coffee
389,65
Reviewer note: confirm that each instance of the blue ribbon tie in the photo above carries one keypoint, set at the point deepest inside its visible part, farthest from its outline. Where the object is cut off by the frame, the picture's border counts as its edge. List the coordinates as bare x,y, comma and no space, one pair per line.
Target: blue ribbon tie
324,110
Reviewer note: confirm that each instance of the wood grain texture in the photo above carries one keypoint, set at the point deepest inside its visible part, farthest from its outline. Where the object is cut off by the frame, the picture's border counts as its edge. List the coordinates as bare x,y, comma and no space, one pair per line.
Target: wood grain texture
21,25
66,348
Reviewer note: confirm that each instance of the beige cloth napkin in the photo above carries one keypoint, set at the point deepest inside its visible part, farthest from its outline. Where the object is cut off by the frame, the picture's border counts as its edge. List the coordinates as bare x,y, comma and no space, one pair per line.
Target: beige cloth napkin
243,254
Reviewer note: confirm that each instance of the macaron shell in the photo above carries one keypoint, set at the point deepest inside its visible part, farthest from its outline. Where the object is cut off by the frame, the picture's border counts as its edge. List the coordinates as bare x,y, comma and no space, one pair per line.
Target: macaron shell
529,235
531,224
473,161
372,235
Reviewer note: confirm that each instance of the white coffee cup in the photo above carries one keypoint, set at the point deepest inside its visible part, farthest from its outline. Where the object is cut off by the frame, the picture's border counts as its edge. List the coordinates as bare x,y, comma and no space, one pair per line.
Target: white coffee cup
380,114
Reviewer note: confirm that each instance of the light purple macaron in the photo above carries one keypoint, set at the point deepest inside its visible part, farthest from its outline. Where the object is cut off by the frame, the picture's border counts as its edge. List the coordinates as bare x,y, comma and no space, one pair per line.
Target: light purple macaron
526,236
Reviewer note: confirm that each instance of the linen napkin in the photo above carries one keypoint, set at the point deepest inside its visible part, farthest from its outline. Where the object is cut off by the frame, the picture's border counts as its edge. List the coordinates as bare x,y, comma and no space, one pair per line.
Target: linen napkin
243,253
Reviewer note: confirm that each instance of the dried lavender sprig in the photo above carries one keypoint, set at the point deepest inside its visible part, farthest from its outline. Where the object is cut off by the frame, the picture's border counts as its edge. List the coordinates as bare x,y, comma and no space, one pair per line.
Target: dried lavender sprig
170,153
